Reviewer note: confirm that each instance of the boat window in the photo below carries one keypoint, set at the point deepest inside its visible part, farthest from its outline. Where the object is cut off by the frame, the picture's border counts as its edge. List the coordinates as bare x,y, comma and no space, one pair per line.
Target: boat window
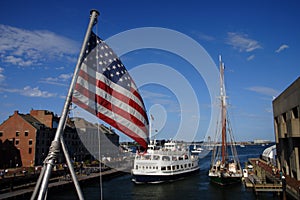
163,168
174,158
155,157
136,167
181,166
148,157
169,168
173,168
166,158
185,165
189,164
177,166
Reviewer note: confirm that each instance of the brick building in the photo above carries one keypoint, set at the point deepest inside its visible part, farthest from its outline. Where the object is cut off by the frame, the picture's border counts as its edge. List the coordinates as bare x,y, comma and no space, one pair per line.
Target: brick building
32,135
25,139
27,134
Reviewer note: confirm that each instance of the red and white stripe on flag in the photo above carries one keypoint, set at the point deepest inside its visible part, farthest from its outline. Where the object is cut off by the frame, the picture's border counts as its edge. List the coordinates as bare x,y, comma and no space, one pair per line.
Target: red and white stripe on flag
105,89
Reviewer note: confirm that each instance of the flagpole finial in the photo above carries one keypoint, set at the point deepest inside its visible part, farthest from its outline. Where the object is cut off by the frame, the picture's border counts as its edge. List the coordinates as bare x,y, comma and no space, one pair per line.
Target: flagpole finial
94,13
94,10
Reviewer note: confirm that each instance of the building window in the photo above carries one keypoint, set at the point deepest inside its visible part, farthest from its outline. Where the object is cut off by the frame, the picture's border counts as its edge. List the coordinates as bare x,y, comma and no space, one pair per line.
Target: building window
284,117
30,142
11,141
1,133
295,113
276,120
30,150
17,142
26,133
17,133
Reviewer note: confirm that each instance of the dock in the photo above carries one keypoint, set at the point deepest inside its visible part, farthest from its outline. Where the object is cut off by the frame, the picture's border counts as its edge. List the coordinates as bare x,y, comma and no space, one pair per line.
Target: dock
252,181
25,191
266,178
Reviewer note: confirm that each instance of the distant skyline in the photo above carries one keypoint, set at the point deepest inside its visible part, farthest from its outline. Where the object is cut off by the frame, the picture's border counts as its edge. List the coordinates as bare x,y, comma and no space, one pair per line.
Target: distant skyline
259,42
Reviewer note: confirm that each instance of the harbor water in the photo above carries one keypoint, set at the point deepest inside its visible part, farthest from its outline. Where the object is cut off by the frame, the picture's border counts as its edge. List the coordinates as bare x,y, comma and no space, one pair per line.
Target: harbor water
194,187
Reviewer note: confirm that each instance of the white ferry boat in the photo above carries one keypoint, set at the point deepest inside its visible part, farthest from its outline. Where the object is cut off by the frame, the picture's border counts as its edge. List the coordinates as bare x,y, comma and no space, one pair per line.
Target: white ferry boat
196,150
162,164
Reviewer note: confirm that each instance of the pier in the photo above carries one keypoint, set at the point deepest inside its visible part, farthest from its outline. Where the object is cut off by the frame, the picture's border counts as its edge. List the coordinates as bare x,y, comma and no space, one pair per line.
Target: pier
266,178
57,183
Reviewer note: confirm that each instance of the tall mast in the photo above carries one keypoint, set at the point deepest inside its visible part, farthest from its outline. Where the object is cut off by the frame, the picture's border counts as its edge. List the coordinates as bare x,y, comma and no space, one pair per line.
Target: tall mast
223,110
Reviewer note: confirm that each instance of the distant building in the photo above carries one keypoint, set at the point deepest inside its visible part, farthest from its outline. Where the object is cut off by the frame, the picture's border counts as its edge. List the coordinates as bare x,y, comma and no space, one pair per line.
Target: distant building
286,110
259,141
25,139
92,135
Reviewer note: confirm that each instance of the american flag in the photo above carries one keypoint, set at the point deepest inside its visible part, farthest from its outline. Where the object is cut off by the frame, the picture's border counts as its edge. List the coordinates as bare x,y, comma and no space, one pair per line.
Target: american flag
105,89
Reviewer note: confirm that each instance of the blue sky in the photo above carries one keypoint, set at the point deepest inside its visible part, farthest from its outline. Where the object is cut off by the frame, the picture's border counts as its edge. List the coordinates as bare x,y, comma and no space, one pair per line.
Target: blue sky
259,42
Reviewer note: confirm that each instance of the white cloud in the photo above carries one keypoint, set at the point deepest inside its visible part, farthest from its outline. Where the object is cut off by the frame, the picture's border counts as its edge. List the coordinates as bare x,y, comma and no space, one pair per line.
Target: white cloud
152,95
60,68
2,77
203,36
281,48
27,48
164,100
242,42
30,92
18,61
65,77
264,90
36,92
251,57
60,80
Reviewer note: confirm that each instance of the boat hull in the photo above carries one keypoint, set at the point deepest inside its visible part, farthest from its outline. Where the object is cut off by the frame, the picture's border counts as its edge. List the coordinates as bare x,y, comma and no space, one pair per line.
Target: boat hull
221,180
142,178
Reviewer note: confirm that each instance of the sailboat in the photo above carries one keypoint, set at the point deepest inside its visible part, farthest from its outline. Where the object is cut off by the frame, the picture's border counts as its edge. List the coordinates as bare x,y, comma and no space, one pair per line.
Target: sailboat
225,166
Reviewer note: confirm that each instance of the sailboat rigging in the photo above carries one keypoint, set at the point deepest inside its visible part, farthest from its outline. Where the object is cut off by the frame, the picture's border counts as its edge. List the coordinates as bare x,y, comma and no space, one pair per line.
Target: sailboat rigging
225,166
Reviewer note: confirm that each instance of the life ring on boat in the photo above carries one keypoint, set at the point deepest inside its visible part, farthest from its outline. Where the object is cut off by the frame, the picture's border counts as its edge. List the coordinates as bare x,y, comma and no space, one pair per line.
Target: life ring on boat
141,153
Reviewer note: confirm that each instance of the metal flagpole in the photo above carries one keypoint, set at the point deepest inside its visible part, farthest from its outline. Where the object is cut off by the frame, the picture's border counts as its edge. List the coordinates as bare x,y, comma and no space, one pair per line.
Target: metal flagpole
69,163
55,145
38,183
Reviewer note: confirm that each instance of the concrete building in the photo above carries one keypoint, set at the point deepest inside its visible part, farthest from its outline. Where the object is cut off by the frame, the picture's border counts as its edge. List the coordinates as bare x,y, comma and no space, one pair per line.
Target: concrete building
100,140
286,111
